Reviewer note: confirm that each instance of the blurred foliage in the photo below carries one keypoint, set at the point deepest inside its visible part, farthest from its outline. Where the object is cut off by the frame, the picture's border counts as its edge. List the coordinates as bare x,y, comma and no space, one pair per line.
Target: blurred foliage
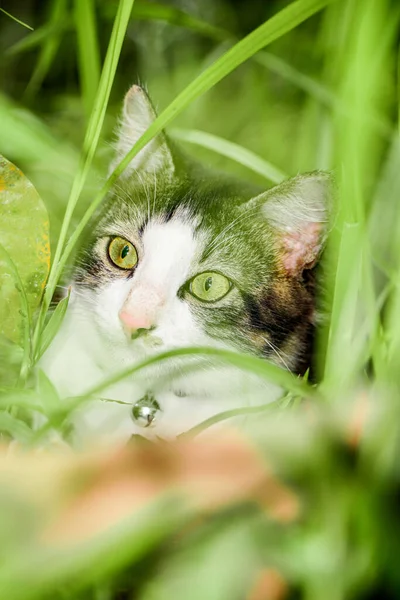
308,507
313,517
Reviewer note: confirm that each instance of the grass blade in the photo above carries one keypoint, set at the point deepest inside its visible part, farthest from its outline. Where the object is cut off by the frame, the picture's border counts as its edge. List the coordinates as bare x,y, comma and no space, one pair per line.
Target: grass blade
230,150
15,19
88,51
351,294
228,414
53,325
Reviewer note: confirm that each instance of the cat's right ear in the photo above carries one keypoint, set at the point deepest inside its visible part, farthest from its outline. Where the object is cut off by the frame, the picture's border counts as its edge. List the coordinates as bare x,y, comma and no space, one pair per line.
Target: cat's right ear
137,115
299,213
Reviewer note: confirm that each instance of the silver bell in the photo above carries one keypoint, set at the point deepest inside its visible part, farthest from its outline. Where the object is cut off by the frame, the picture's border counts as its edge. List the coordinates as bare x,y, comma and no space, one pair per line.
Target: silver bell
145,411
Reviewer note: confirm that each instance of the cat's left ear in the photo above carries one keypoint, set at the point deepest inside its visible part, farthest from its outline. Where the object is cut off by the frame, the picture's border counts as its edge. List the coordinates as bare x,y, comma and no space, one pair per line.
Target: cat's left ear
137,114
299,211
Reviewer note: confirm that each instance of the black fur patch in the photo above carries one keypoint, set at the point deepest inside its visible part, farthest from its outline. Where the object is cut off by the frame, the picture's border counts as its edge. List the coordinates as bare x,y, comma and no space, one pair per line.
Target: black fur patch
281,315
167,216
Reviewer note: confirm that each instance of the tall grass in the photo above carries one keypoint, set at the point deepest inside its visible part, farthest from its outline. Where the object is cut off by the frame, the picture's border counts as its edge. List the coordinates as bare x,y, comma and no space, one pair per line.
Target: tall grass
335,440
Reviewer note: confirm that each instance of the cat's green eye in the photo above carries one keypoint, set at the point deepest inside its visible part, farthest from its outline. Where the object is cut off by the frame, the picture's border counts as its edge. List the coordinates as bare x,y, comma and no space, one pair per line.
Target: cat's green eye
122,253
209,286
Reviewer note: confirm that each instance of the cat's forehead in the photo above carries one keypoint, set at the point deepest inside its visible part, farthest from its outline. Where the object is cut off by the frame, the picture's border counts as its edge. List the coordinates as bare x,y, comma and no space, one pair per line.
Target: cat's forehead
210,202
208,207
135,220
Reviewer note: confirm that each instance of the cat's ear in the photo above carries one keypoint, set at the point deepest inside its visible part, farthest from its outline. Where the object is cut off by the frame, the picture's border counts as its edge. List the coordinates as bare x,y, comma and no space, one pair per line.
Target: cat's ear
137,114
299,212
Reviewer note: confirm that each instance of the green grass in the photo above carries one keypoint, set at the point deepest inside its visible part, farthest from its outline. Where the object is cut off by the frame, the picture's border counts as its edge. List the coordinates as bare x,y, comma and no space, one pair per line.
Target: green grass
325,93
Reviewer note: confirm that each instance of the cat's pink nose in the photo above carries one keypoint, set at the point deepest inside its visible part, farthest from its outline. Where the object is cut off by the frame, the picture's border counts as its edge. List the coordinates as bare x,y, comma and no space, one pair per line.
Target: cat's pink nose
137,321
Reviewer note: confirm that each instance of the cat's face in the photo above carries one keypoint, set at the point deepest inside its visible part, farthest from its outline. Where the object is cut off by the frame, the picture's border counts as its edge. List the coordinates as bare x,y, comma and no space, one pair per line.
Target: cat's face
178,259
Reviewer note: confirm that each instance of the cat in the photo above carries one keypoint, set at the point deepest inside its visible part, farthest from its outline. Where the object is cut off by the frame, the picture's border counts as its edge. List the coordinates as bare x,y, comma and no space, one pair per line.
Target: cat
180,256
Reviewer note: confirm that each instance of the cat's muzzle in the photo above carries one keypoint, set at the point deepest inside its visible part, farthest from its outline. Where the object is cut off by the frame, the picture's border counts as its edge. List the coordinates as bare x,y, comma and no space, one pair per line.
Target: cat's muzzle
145,411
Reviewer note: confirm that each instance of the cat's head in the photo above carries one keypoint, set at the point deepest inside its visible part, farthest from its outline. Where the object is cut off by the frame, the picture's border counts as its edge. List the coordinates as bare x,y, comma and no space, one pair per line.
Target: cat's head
183,257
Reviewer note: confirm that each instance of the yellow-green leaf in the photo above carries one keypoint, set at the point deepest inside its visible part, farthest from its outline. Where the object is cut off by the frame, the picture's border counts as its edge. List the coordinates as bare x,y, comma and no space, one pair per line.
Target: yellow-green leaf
25,256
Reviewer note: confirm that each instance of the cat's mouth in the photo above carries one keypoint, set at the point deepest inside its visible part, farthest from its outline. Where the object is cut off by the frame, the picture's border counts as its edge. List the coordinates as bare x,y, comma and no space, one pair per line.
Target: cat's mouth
146,340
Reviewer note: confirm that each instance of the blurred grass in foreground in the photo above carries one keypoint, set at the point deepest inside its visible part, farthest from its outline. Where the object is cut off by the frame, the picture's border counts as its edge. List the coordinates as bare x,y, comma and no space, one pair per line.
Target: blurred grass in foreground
306,508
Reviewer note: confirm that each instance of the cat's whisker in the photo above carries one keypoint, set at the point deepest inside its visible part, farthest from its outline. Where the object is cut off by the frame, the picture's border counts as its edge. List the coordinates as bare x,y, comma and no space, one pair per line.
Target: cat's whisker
277,352
225,242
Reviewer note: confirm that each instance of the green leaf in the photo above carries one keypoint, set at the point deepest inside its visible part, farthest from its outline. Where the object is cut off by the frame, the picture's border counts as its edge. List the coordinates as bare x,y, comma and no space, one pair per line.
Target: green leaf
49,397
53,324
24,311
25,254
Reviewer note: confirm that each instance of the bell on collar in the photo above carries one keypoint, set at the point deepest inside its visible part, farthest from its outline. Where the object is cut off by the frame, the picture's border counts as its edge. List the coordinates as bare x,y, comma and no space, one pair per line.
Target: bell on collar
145,411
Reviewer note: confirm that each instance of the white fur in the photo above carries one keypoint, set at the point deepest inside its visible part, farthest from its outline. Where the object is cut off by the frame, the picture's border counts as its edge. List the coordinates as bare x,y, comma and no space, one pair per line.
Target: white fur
92,345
